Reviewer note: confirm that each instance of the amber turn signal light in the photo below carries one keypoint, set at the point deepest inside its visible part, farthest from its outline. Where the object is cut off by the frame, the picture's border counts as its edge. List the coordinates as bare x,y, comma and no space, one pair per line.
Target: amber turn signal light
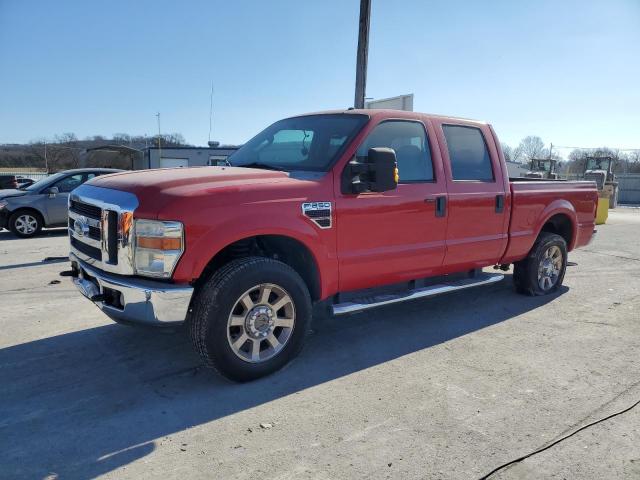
159,243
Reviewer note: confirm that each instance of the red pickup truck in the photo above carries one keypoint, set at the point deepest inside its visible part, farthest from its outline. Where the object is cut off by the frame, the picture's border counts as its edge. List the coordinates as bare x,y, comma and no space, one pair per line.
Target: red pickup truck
355,209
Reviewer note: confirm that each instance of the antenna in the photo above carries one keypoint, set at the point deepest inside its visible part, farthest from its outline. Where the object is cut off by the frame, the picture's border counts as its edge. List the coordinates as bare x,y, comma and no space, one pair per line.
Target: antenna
211,111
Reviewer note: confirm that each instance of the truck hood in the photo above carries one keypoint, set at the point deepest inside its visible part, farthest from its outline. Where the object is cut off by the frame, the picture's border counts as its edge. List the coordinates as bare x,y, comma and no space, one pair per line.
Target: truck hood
164,190
187,180
11,193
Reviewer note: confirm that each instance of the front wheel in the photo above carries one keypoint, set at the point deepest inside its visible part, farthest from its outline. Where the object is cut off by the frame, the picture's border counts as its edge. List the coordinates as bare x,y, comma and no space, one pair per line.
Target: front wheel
250,318
543,270
25,223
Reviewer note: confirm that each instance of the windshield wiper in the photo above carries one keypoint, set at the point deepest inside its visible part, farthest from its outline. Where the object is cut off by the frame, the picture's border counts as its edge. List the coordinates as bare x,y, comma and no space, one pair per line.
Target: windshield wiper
264,166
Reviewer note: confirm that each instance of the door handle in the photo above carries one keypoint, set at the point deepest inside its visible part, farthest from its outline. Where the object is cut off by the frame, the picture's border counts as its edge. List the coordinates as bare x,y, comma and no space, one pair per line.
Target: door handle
430,200
499,203
441,206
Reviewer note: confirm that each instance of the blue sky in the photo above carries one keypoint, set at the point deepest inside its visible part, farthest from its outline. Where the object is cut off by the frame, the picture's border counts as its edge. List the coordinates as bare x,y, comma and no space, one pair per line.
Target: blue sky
568,71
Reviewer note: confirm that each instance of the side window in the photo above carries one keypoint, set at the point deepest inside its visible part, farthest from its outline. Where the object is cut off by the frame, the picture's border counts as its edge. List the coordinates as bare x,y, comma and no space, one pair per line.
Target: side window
409,140
468,154
69,183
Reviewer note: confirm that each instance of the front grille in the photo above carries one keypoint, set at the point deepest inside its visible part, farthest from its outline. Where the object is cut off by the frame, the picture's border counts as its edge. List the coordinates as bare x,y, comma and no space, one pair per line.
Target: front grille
88,250
94,232
106,216
85,209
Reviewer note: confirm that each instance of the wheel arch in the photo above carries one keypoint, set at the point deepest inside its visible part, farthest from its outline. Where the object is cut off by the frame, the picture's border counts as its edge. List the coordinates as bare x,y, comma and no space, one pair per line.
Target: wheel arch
31,210
560,218
560,224
284,248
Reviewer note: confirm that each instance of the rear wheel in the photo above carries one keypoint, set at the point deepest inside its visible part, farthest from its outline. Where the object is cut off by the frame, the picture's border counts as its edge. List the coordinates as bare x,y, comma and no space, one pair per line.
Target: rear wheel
250,318
542,272
25,223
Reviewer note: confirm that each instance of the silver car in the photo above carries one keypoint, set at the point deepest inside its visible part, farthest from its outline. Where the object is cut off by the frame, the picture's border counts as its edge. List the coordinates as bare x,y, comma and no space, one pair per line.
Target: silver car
43,204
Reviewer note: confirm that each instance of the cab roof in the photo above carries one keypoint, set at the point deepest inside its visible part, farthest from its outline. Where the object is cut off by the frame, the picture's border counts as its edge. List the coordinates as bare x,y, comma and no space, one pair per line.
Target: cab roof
387,113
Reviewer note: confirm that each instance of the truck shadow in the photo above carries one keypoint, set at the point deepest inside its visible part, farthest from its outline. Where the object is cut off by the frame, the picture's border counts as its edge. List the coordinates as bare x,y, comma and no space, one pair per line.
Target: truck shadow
48,232
86,403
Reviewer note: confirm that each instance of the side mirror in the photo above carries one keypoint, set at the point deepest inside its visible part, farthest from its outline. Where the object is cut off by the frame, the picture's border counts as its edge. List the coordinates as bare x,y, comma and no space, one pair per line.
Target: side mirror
378,173
52,191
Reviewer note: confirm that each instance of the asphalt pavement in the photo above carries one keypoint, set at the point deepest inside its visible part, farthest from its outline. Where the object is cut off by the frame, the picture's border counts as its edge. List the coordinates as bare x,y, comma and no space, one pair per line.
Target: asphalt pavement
444,388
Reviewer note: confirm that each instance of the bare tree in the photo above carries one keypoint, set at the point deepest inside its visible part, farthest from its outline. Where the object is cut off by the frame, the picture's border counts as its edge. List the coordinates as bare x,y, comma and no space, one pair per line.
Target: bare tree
531,147
512,154
508,152
67,151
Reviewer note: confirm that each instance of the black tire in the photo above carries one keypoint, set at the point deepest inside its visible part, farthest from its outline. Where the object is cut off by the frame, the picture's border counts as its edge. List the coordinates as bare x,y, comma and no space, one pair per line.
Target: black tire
208,320
525,272
15,227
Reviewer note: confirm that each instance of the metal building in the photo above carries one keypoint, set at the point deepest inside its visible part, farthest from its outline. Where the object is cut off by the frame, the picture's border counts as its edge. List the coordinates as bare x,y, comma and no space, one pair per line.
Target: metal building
183,157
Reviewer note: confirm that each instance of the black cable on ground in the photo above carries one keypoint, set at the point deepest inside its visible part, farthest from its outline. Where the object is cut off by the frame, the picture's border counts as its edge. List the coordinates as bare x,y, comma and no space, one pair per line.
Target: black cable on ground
561,439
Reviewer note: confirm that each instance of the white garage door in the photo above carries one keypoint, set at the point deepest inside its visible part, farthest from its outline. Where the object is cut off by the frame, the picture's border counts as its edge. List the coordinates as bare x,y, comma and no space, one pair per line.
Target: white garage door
173,162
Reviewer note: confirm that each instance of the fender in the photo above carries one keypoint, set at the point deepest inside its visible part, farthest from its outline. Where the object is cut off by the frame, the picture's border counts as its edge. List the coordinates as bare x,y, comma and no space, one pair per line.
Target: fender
521,241
559,206
27,206
199,251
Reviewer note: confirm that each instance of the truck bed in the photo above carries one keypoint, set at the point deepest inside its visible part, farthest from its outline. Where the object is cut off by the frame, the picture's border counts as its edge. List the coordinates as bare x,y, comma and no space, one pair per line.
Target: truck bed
568,207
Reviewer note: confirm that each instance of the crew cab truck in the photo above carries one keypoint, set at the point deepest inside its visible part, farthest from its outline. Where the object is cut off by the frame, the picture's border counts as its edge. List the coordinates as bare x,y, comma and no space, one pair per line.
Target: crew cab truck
355,209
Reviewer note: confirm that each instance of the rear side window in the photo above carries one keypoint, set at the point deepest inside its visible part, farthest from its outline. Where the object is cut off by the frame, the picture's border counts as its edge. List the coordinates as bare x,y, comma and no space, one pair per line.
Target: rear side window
409,141
468,154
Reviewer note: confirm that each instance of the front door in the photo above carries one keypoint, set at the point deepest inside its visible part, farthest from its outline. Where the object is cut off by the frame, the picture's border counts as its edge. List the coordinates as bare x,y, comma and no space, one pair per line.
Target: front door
56,205
393,236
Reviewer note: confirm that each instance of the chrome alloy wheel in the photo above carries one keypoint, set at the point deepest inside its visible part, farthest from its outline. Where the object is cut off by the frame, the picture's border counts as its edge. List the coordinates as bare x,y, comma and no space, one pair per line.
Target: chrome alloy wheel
26,224
261,323
550,267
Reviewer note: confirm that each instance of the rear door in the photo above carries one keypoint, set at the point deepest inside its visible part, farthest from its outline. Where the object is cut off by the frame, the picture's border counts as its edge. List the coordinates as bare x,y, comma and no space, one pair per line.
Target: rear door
477,227
393,236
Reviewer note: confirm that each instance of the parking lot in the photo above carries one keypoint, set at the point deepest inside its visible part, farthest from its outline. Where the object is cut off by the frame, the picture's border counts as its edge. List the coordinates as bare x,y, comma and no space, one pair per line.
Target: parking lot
444,388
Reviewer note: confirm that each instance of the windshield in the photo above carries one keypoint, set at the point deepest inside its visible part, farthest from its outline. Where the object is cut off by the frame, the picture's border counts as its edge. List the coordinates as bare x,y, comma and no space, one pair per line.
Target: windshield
543,166
42,182
309,143
598,164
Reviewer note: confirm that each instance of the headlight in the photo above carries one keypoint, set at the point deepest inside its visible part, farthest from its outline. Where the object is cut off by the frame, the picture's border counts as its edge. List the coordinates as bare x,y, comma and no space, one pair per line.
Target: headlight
157,247
3,204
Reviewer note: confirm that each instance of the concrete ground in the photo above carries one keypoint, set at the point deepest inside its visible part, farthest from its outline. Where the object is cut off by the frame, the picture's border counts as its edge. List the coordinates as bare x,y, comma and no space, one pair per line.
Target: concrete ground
446,388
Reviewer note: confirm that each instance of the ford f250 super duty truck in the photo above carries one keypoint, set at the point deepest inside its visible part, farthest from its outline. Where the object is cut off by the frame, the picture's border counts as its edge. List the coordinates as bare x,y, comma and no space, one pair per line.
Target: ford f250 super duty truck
355,209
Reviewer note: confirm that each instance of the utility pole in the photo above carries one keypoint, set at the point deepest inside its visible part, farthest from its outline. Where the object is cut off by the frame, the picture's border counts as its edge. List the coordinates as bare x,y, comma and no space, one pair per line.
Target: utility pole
159,139
550,151
363,53
46,164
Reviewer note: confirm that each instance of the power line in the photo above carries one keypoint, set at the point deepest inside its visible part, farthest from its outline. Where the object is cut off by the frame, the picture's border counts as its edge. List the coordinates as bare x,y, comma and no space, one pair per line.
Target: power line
596,148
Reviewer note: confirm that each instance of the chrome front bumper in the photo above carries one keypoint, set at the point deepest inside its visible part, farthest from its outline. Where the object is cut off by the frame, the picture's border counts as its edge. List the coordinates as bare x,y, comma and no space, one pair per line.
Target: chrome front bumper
132,300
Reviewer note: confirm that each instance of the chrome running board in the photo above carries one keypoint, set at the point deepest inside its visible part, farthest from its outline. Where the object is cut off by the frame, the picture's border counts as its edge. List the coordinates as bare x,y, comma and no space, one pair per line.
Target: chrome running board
430,291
